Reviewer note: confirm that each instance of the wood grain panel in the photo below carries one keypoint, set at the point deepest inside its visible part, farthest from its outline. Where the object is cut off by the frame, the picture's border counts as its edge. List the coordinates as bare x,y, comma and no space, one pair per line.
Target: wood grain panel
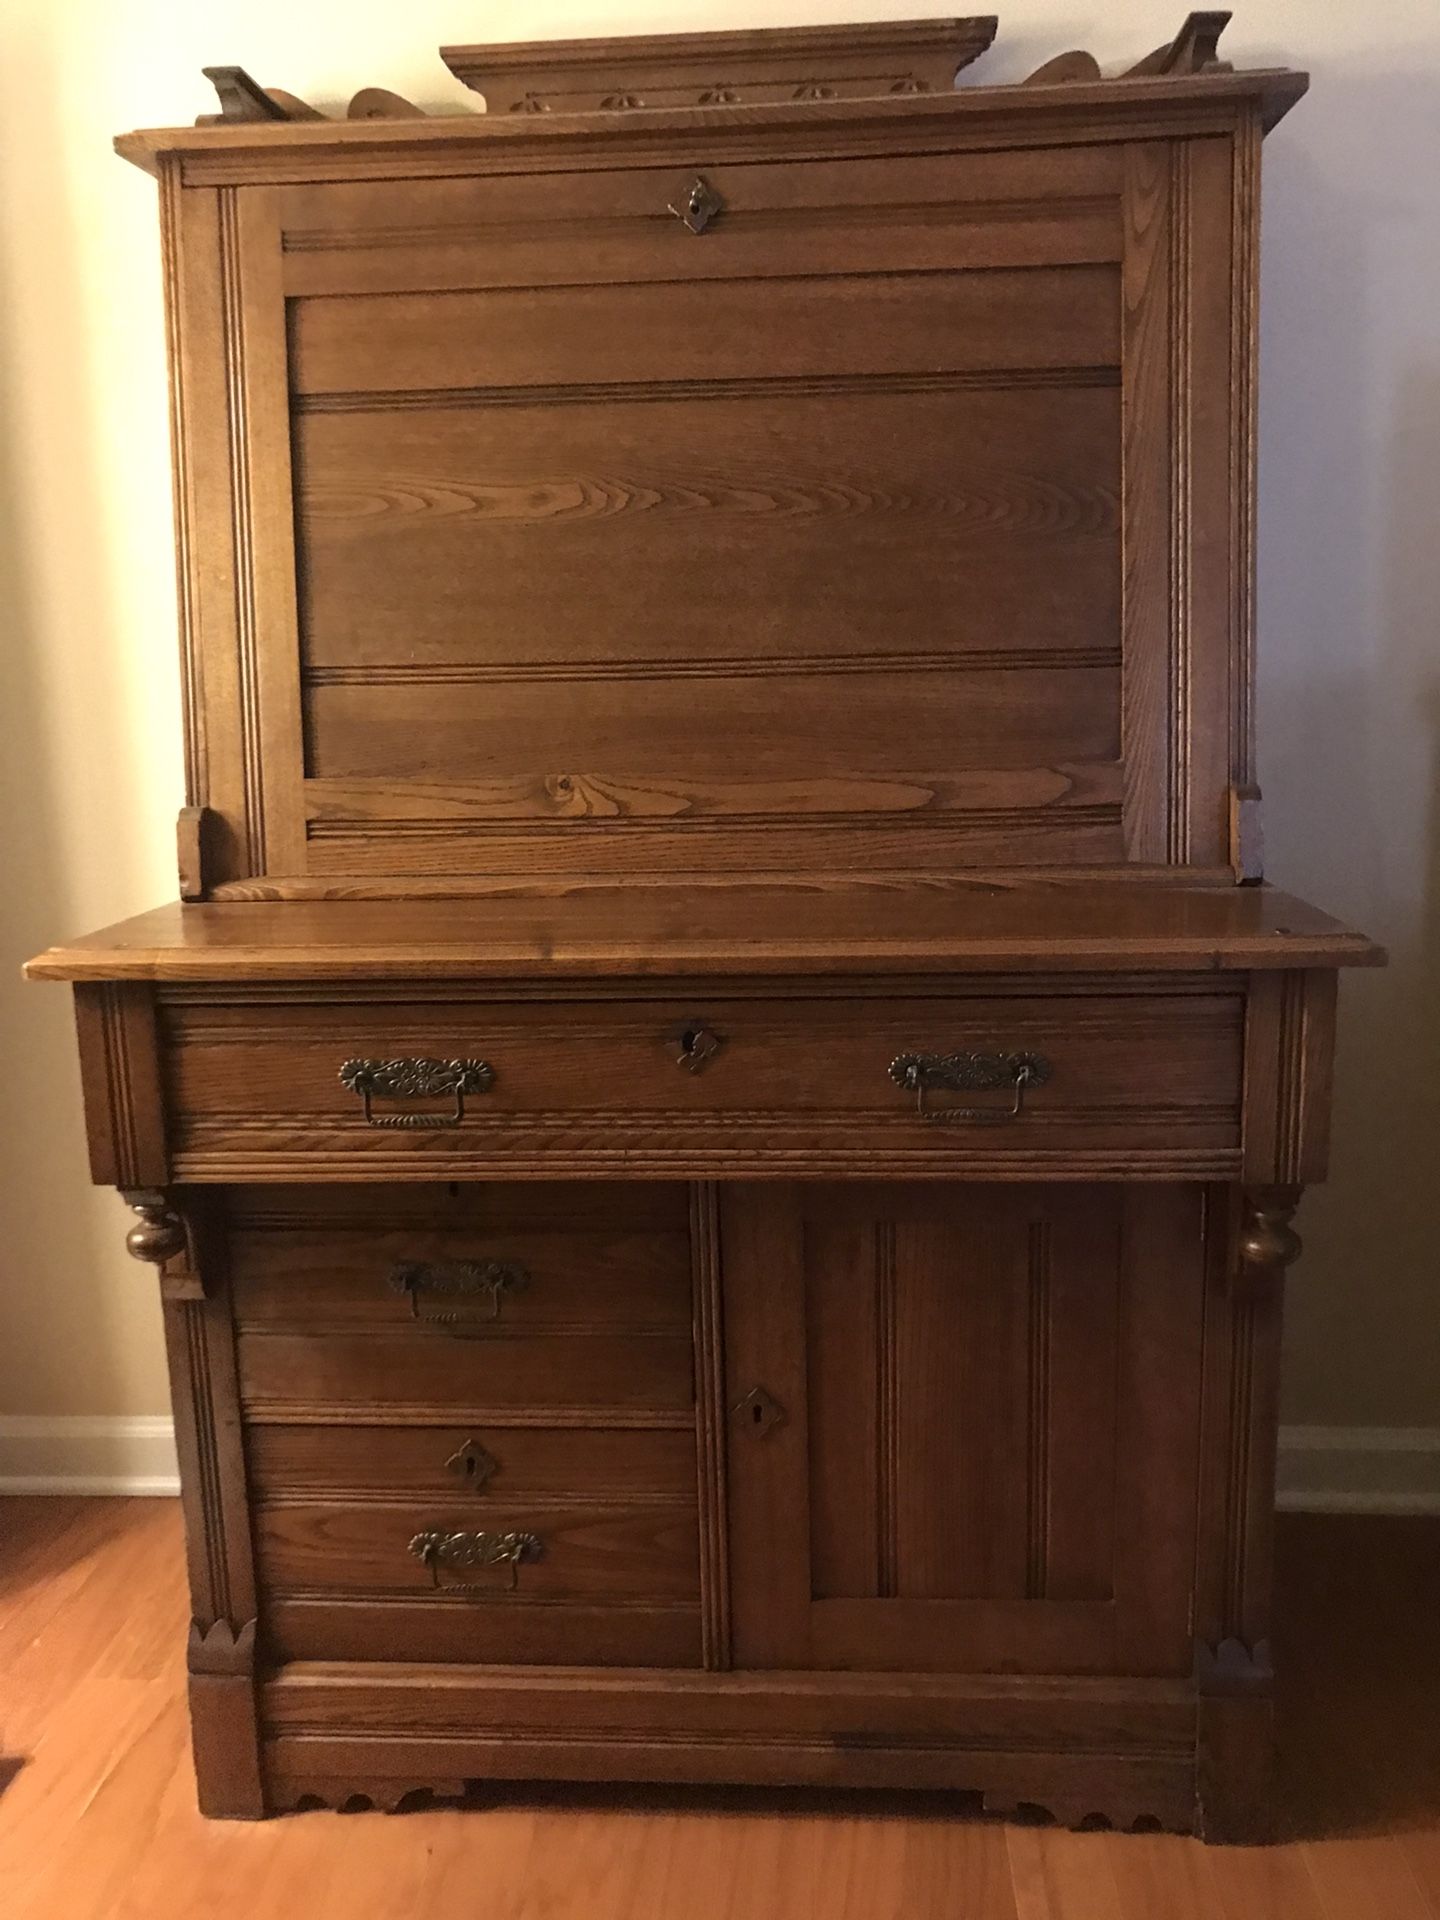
556,1633
571,1281
1131,1053
898,323
981,1398
910,210
356,858
804,1088
429,1370
961,1391
648,728
873,526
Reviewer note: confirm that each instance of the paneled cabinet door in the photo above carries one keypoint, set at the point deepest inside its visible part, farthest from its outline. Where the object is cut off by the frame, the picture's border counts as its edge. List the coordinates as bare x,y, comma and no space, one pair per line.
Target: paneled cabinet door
964,1425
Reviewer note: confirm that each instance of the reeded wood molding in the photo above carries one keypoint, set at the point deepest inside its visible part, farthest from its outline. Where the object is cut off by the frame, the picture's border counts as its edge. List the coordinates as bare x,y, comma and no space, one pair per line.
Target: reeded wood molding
1289,1060
120,1074
710,1419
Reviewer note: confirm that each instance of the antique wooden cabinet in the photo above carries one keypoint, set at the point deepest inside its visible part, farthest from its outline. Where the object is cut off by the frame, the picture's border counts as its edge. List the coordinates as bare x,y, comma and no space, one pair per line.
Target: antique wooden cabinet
720,1116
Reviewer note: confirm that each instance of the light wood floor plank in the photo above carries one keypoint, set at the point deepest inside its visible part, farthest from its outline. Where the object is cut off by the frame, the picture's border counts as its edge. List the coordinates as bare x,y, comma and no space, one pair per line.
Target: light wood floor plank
1366,1879
1062,1876
100,1820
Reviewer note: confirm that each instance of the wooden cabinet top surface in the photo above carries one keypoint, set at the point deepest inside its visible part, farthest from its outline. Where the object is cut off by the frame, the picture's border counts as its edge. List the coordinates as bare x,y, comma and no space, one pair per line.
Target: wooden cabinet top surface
624,930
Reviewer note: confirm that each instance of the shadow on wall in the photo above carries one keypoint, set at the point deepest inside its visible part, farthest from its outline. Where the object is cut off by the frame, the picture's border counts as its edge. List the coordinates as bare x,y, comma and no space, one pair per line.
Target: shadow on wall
1350,709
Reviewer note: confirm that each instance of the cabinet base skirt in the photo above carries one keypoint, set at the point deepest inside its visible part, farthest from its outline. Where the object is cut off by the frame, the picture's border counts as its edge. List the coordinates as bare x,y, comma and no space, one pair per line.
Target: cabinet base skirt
1121,1751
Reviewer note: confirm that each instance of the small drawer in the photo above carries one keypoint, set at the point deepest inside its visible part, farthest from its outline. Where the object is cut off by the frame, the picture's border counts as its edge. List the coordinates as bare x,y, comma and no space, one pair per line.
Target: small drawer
584,1581
478,1465
1065,1080
516,1552
611,1580
418,1373
474,1262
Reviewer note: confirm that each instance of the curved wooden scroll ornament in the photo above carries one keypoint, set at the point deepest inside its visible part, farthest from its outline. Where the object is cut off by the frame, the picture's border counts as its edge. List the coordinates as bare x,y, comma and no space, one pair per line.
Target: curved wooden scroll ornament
244,102
1193,50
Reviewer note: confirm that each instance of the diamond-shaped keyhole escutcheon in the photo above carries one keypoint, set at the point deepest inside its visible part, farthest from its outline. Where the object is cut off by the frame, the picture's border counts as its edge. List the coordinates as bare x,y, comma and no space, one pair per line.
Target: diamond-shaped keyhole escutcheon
472,1465
759,1413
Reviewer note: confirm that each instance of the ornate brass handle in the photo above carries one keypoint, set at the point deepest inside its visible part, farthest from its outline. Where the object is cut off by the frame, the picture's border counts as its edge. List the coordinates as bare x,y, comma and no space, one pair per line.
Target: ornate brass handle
415,1080
438,1549
922,1073
458,1280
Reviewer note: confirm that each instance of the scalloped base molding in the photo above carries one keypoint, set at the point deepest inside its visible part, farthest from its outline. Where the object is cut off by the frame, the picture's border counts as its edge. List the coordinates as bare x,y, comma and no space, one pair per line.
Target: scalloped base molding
1322,1469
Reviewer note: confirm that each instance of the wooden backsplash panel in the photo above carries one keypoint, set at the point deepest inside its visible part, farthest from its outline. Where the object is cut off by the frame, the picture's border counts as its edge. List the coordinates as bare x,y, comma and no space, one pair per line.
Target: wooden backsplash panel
872,523
875,528
882,583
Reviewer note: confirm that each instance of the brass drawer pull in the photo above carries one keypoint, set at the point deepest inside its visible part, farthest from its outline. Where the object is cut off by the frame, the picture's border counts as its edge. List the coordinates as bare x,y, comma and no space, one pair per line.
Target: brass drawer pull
415,1080
922,1073
438,1549
459,1281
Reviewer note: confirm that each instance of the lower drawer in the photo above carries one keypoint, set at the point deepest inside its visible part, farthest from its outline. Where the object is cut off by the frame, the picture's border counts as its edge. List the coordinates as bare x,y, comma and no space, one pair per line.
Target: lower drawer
396,1375
487,1462
493,1543
582,1549
548,1581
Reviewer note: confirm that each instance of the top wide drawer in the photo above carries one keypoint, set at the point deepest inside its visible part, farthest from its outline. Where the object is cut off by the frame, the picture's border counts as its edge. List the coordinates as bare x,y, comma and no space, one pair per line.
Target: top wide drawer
1080,1083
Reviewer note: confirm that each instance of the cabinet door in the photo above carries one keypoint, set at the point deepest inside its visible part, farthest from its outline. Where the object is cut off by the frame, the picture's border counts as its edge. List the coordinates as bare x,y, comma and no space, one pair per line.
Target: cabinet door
964,1425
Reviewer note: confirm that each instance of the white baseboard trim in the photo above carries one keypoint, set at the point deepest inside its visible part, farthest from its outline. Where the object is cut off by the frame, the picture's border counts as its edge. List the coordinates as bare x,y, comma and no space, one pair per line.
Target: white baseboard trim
1359,1470
1321,1470
85,1453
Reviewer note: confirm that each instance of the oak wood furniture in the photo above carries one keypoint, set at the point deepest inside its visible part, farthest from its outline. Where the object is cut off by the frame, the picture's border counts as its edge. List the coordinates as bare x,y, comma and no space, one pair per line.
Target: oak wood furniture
721,1115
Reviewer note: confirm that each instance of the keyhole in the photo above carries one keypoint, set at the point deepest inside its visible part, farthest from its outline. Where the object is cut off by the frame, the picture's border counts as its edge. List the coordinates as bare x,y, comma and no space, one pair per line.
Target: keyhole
757,1415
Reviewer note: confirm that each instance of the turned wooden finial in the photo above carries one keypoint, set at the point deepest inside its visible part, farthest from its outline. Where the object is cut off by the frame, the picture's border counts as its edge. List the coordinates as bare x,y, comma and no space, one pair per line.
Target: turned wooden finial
160,1235
1268,1242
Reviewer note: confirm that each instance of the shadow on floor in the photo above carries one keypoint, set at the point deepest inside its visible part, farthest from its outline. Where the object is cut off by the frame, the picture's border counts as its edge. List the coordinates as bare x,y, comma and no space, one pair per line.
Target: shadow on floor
1357,1655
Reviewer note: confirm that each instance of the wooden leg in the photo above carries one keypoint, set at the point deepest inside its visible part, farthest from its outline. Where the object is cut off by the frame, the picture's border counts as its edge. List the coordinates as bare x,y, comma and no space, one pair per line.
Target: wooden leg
1253,1244
1236,1775
224,1725
176,1234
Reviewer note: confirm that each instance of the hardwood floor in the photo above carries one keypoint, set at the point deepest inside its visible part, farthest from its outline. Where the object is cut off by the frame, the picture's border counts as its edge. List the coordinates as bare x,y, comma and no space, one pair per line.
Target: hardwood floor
97,1815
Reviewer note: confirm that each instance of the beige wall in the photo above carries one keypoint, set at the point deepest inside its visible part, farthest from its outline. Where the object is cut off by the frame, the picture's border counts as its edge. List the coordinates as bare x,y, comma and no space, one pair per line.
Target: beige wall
1350,583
